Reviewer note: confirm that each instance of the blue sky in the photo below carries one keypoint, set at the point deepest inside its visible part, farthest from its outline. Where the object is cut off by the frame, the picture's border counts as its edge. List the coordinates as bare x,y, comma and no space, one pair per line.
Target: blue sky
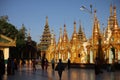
32,13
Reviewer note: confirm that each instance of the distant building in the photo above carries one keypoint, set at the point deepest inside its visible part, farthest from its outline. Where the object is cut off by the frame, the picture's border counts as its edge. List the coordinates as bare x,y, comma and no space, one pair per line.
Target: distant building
29,51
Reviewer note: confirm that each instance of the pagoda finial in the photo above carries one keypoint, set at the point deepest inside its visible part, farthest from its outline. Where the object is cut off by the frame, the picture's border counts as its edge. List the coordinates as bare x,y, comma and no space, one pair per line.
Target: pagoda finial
60,37
52,31
96,26
74,26
108,24
65,37
64,28
60,31
114,8
46,20
52,37
95,13
80,27
115,20
111,10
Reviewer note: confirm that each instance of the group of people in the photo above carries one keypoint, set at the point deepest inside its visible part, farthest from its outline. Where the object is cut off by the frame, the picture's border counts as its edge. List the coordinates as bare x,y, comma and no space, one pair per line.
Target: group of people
60,67
11,66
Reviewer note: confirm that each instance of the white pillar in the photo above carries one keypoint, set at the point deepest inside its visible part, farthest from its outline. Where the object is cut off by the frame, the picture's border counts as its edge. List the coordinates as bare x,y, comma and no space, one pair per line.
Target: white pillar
119,57
69,55
6,55
91,57
110,56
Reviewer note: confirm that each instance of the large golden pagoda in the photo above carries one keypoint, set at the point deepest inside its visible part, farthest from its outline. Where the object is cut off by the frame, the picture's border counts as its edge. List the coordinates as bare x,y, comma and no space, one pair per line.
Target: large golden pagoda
75,45
105,45
62,48
45,38
112,38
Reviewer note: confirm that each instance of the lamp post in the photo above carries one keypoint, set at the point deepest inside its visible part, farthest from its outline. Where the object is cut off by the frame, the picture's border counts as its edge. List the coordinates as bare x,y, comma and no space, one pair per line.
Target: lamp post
83,8
88,10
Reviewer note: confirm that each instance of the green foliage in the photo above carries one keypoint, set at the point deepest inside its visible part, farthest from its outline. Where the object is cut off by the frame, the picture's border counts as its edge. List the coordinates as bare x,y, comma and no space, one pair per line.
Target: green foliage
11,31
8,29
21,36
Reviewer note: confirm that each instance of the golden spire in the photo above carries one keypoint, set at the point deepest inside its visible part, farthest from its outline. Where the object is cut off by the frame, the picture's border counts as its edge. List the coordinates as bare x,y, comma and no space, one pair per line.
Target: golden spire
108,25
81,34
60,37
53,38
111,17
65,37
74,35
111,10
115,24
108,31
74,27
80,28
96,24
96,29
95,13
114,9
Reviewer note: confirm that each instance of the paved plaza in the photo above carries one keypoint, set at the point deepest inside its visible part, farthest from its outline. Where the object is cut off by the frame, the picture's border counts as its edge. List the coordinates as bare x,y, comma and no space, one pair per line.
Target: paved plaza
72,74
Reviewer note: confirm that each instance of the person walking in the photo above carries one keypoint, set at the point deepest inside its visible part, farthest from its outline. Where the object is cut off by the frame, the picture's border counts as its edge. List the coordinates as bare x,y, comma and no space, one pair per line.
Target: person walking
34,64
53,63
46,63
97,66
68,63
12,66
9,66
60,68
43,63
16,64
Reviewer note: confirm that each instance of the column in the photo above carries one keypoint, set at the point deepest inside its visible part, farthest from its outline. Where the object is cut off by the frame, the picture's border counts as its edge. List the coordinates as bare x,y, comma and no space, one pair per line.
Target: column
6,55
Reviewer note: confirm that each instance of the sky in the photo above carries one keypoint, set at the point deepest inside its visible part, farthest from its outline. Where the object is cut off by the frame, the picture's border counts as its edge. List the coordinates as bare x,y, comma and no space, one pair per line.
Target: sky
32,13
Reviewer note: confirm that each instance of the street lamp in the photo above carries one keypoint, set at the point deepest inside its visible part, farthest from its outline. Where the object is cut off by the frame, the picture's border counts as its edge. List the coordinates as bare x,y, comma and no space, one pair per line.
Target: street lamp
83,8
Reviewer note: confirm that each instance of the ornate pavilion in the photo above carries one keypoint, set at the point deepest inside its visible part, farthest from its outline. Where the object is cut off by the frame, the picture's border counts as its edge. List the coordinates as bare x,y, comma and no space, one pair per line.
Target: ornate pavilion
5,43
102,44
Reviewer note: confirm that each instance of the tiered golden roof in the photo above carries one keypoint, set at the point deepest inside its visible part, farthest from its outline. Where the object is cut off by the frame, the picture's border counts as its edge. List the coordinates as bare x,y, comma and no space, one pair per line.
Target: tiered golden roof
46,37
80,50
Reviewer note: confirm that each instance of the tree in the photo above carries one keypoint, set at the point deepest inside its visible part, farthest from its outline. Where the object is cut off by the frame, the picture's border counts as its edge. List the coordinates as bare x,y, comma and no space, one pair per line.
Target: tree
8,29
21,36
4,18
11,31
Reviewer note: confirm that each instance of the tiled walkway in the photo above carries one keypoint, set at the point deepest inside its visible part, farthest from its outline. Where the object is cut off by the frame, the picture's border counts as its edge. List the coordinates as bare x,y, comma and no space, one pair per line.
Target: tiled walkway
72,74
